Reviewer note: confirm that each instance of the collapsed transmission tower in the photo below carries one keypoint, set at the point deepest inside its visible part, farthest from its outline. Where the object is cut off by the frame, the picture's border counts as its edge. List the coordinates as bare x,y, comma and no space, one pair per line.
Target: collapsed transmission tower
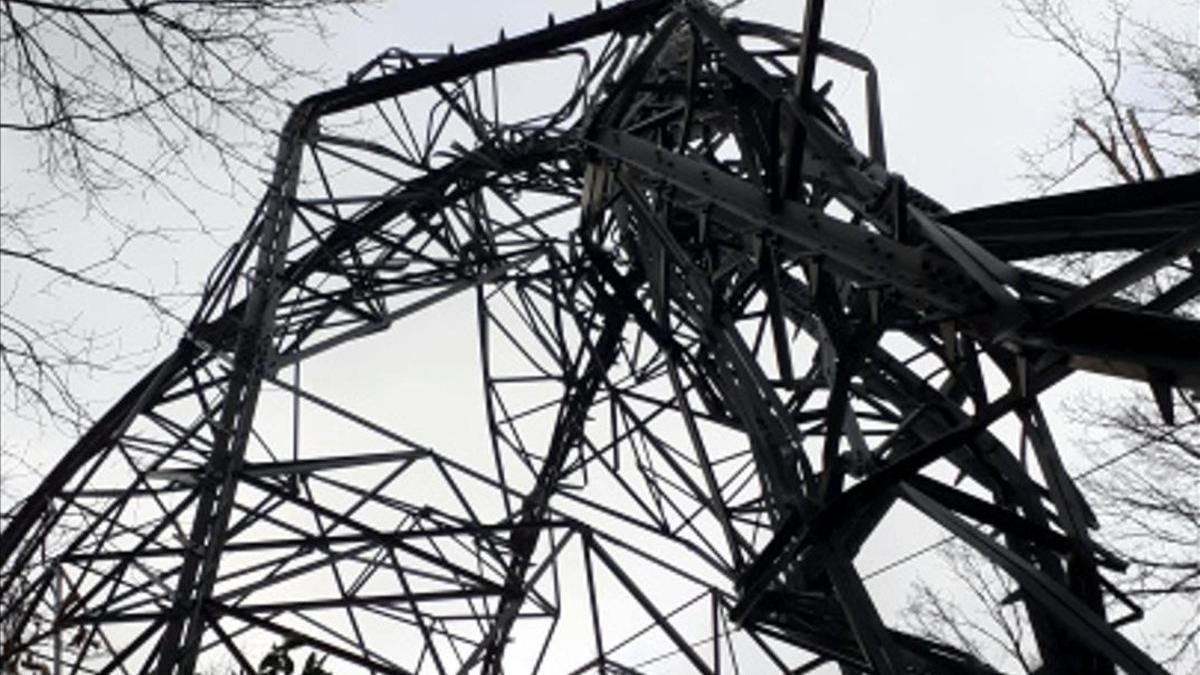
720,347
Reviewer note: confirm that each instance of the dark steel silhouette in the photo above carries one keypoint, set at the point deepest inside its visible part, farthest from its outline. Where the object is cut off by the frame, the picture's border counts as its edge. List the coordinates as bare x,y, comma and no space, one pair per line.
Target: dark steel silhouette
719,344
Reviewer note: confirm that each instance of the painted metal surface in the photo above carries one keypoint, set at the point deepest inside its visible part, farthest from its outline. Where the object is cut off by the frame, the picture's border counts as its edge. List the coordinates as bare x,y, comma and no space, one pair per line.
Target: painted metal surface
718,346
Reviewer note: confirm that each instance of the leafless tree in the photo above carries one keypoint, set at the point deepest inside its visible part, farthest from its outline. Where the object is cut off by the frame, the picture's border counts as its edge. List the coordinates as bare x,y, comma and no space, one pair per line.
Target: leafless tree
1137,108
112,99
1137,117
984,623
1147,496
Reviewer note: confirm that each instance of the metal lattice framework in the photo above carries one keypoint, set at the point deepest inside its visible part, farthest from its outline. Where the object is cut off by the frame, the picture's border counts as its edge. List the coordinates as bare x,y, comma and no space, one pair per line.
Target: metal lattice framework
719,345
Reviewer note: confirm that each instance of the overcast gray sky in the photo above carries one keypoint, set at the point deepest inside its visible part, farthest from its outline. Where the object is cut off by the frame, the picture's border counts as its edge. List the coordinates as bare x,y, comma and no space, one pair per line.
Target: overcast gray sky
962,93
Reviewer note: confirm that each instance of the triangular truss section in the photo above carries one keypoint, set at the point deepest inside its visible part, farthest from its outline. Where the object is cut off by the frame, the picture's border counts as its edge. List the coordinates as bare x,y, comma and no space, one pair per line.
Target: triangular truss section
716,345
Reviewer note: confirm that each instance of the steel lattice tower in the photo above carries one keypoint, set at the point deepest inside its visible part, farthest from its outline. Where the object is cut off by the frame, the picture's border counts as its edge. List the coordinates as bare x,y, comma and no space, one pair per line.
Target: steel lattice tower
719,345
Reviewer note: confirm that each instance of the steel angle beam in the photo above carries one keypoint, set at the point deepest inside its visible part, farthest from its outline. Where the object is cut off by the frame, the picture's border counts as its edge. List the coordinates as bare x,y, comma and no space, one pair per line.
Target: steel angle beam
1136,345
631,16
1122,217
924,279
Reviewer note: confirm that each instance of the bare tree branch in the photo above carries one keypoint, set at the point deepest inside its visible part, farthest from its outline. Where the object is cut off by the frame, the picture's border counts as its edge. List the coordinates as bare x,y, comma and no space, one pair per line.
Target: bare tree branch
1139,113
121,97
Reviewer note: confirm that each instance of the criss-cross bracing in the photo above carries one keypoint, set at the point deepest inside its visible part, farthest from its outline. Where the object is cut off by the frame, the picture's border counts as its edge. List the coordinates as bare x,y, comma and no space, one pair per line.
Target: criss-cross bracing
721,349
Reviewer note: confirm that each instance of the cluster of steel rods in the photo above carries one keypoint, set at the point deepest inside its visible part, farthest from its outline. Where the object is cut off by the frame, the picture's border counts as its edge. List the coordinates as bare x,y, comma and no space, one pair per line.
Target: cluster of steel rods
719,347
